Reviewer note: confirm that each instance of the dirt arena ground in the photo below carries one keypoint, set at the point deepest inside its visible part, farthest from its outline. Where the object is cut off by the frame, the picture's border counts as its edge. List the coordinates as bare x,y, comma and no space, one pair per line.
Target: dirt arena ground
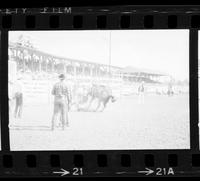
162,122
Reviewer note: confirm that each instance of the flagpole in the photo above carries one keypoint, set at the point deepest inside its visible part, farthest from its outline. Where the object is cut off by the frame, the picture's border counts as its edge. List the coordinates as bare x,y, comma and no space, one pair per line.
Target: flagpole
109,53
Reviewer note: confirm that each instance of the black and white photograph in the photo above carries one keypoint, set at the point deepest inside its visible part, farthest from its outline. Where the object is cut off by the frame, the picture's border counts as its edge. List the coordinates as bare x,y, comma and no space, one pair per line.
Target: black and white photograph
98,90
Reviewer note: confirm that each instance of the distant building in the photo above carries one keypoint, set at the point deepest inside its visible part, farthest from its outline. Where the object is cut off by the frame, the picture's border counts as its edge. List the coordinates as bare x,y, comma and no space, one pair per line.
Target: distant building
149,76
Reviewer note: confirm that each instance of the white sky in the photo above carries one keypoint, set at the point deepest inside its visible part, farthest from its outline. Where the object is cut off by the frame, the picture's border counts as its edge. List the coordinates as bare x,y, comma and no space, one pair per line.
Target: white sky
163,50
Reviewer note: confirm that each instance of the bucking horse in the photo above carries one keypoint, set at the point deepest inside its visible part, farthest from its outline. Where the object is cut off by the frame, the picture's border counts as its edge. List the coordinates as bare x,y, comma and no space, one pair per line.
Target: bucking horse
100,93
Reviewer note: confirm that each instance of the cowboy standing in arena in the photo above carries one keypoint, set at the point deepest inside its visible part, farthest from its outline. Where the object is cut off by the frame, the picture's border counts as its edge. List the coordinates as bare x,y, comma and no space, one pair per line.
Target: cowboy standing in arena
170,91
11,98
61,102
141,92
18,98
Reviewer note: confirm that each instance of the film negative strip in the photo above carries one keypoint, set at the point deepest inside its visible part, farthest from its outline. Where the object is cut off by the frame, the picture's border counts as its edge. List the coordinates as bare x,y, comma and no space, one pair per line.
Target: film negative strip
99,91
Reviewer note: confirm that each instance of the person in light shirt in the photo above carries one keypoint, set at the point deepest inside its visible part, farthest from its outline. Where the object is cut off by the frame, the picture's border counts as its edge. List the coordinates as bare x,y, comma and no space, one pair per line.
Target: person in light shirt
18,98
141,91
61,102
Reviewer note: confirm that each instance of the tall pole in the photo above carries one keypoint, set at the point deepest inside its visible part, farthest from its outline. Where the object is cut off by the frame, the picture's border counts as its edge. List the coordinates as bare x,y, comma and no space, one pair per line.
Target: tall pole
109,53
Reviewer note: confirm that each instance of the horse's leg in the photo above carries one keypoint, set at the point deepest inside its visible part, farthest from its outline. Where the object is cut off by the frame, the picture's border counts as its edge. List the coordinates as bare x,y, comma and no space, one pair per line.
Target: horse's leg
98,105
90,102
105,103
103,107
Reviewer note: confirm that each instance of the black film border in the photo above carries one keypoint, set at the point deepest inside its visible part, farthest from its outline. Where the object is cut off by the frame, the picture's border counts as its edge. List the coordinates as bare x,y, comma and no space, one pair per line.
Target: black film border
99,162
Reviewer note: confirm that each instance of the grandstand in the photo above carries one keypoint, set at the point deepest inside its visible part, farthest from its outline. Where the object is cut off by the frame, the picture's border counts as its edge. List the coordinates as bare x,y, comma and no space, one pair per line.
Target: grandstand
146,75
31,60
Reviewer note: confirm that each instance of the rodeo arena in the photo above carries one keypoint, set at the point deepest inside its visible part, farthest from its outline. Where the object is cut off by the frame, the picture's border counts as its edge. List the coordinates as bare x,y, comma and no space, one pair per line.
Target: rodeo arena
107,107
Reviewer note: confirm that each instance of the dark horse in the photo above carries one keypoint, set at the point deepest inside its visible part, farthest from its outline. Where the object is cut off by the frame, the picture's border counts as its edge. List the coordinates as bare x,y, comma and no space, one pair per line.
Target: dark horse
102,94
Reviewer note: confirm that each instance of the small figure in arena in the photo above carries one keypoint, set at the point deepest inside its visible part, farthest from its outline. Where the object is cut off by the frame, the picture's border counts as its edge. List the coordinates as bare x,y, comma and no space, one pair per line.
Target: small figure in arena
61,102
11,98
18,98
170,91
141,90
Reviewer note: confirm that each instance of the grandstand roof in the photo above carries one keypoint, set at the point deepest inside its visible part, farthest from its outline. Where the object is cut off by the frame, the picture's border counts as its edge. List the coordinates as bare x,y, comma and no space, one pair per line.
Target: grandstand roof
130,69
11,44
